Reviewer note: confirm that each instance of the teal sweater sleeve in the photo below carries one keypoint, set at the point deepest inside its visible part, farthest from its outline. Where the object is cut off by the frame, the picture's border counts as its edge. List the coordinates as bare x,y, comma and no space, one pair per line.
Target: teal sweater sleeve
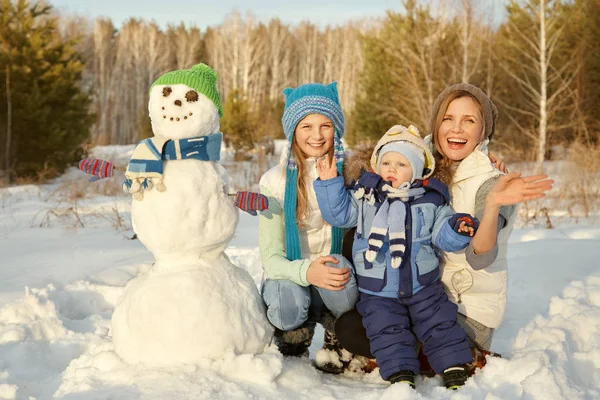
271,243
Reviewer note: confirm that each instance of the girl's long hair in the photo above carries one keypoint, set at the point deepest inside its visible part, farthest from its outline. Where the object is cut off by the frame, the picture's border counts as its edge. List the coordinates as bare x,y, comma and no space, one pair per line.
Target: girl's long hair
302,191
302,183
443,165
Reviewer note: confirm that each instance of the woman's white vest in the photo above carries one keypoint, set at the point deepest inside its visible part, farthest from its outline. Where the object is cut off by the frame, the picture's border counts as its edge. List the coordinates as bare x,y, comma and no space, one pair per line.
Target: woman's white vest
480,295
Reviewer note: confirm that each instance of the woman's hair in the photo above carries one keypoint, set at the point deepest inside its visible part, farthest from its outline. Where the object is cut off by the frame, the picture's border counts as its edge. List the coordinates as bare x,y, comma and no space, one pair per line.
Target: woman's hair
443,165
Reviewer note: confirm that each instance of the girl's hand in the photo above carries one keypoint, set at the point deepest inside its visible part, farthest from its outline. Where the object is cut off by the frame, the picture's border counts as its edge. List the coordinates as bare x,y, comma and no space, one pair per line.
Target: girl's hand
498,162
512,189
323,276
327,170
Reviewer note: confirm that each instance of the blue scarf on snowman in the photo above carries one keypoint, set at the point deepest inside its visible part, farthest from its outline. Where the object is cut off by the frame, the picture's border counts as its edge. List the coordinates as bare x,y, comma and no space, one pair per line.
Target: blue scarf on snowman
145,169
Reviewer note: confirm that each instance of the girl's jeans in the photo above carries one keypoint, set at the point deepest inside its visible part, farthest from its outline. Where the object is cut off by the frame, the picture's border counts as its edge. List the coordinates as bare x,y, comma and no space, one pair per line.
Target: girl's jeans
290,305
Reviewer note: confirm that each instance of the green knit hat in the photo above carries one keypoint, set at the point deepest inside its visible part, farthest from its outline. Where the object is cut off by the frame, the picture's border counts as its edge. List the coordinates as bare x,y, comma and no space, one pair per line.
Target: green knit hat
200,77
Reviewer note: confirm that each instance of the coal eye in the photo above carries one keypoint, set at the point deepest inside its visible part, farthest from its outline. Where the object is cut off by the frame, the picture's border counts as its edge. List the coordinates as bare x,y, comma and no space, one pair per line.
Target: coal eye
191,96
167,91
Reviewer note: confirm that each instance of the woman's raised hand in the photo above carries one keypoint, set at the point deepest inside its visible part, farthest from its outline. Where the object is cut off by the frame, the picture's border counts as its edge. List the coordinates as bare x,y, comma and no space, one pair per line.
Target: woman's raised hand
327,169
326,277
512,189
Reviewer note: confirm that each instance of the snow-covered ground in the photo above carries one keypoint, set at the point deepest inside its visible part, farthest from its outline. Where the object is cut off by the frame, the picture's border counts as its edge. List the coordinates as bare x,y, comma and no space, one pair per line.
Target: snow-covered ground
66,254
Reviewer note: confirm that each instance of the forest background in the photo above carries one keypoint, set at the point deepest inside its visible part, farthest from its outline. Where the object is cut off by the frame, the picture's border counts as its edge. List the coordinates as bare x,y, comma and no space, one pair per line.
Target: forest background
68,83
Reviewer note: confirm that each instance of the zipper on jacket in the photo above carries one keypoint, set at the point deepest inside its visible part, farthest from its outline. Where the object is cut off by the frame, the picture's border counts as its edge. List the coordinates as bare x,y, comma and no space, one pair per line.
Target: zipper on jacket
421,222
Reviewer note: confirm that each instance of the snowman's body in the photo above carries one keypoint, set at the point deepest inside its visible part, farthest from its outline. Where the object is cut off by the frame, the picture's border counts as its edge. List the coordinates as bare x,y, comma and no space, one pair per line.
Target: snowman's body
193,304
192,219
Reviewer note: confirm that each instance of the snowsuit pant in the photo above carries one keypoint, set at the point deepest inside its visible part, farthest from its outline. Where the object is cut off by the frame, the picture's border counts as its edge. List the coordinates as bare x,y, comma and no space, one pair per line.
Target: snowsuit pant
290,305
432,318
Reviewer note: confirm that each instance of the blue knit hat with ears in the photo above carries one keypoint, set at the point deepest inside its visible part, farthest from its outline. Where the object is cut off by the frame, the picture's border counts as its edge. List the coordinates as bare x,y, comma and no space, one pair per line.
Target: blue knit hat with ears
311,98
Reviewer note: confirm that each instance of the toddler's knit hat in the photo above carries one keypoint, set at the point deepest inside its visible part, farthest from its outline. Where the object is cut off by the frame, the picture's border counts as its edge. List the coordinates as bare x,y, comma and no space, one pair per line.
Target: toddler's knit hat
413,153
407,141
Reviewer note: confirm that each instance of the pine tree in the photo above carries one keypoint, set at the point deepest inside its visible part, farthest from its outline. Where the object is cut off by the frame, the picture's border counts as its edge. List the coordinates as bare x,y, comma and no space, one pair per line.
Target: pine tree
588,80
44,116
237,124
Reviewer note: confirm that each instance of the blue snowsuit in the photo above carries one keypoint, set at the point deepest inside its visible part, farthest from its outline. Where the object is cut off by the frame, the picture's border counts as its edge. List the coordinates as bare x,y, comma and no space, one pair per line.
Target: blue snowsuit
397,302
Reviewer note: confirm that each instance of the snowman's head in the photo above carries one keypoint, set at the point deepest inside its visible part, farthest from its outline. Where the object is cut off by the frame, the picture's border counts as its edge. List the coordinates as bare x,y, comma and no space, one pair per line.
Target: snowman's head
185,103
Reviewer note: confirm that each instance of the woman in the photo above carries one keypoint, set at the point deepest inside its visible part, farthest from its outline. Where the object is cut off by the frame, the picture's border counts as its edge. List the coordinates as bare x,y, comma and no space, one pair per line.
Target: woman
307,281
463,122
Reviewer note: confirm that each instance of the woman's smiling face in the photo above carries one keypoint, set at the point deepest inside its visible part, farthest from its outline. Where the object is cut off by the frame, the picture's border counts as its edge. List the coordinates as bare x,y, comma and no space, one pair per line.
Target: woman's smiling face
461,129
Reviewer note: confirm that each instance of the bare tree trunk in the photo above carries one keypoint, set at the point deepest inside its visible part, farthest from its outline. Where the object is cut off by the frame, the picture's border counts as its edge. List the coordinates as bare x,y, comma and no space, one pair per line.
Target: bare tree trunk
102,69
8,124
465,39
541,150
279,57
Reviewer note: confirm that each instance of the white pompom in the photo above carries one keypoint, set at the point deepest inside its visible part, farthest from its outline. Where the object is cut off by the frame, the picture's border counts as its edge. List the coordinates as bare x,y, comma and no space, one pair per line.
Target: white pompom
370,255
359,193
136,186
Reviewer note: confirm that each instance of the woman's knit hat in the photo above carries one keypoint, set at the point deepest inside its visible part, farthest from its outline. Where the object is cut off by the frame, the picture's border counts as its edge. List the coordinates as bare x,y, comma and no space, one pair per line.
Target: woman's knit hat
311,98
200,77
488,109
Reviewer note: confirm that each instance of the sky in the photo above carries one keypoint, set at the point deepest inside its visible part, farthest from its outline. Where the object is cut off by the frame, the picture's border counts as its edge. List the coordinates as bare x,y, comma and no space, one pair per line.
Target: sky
209,13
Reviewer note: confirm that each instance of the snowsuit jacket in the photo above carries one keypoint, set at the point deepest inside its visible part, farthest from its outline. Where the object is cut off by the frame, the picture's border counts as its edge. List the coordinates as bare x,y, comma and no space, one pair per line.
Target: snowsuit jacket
427,228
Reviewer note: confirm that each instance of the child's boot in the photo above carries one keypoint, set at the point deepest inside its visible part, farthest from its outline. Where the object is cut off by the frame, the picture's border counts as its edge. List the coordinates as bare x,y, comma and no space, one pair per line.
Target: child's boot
455,377
404,376
332,358
295,343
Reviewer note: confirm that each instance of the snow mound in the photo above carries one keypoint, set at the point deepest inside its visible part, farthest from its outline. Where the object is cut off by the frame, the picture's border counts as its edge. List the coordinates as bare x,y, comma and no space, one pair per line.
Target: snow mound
56,342
168,318
556,356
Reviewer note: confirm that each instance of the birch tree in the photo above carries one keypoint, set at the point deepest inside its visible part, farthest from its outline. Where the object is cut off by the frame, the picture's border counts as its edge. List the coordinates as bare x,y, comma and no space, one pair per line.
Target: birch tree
533,59
184,46
102,69
280,47
308,53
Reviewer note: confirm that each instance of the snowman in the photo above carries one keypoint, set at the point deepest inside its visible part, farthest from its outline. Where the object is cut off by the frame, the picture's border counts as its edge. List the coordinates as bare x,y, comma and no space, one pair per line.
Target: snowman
193,304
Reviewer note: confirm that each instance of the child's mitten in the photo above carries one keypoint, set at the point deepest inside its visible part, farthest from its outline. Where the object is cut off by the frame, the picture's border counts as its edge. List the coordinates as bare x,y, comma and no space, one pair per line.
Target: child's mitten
99,168
469,221
251,202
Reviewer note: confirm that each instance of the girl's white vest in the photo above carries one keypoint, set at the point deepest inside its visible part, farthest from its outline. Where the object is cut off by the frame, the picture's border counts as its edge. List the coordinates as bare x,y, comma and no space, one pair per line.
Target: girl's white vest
315,235
480,295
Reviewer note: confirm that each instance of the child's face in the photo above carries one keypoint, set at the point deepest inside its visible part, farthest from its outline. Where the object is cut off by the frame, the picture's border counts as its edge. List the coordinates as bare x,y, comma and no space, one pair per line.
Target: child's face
394,167
314,135
461,129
